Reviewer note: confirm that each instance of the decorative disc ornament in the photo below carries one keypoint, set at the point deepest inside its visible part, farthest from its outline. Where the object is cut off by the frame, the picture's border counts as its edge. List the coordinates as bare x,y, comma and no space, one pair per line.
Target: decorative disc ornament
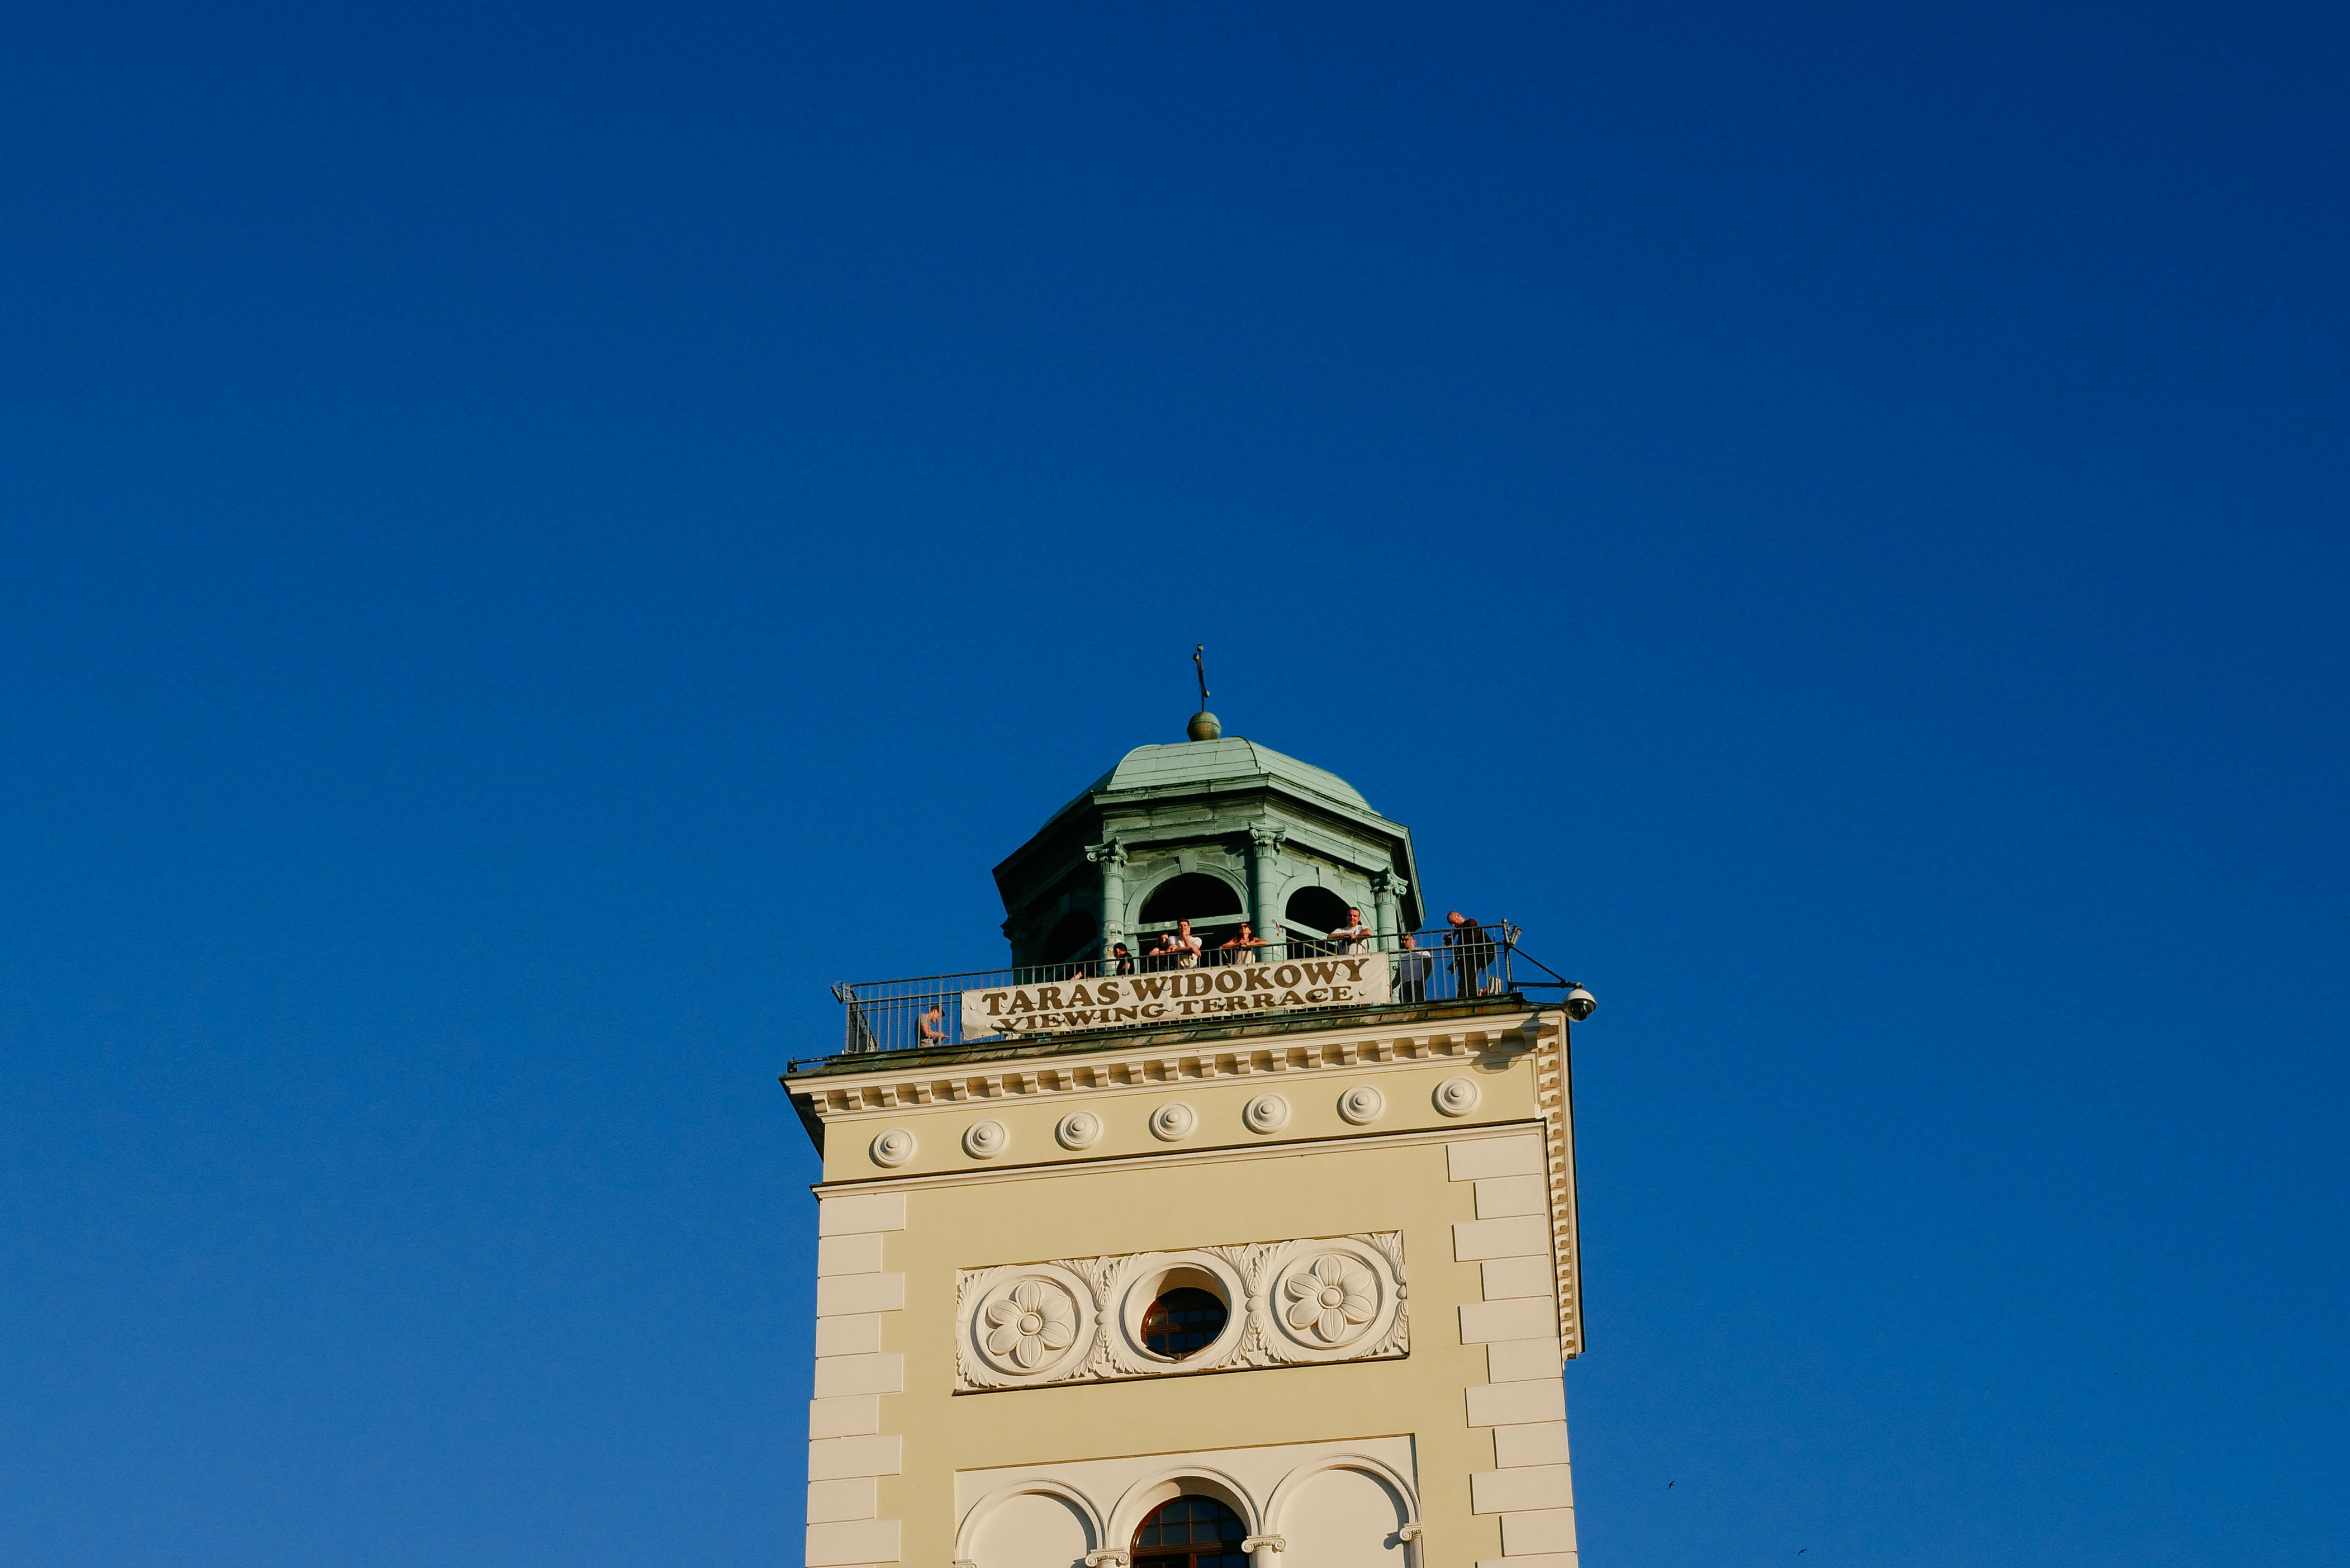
895,1148
1173,1120
1458,1096
1362,1104
1080,1129
1266,1113
985,1140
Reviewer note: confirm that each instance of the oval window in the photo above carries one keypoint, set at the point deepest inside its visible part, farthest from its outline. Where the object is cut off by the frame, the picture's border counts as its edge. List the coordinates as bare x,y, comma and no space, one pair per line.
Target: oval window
1184,1319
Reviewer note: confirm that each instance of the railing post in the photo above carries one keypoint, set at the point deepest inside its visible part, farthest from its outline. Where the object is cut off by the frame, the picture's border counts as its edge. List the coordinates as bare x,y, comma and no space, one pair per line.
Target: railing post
861,1033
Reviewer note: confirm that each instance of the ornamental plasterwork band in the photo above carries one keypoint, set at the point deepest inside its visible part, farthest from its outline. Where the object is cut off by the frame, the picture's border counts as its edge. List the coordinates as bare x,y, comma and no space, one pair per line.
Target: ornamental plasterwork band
1158,1068
1079,1320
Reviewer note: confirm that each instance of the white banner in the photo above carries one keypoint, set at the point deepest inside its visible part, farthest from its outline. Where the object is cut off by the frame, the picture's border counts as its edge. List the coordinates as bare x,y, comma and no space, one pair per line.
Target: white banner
1218,991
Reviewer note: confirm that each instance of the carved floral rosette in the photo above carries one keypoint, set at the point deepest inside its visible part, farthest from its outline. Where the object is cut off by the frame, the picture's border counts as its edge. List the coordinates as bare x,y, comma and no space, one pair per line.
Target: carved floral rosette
1307,1302
1030,1324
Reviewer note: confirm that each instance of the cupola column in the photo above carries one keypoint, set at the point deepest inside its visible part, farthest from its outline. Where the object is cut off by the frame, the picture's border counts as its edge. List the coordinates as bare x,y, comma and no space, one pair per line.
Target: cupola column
1264,856
1110,855
1387,891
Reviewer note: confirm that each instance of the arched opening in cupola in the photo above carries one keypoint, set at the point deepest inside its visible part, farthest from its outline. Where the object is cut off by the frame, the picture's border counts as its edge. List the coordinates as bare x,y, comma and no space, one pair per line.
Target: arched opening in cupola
1317,911
1071,939
1212,904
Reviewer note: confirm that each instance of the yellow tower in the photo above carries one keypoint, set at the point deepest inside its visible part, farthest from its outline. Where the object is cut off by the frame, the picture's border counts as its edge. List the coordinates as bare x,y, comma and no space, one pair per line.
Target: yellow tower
1181,1248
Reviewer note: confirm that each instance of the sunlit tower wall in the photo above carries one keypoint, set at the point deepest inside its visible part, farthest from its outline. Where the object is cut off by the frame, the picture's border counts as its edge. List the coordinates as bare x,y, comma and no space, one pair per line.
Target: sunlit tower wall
1229,1258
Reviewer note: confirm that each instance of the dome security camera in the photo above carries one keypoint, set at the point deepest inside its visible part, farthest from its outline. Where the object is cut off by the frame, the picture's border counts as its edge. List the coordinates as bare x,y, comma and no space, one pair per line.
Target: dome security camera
1580,1005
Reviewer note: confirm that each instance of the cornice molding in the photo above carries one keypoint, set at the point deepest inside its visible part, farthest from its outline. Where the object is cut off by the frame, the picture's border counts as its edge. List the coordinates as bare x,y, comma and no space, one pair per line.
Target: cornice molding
838,1097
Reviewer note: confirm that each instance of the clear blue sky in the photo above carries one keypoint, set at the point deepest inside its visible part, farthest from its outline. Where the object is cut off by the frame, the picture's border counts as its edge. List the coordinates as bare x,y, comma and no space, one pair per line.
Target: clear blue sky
531,542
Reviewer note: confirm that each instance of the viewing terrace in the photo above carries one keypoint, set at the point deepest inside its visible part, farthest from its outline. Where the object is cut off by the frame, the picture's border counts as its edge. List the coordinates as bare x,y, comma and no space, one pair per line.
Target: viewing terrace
1106,991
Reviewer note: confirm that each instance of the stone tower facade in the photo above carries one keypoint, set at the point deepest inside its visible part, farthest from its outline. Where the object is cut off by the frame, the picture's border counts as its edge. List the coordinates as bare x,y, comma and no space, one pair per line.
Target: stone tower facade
1290,1289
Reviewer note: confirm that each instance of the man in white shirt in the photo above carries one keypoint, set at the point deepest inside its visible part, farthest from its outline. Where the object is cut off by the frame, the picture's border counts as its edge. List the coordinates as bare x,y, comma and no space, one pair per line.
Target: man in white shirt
1354,935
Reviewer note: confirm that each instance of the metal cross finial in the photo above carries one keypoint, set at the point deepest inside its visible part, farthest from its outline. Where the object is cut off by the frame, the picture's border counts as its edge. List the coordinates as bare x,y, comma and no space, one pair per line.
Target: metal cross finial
1203,726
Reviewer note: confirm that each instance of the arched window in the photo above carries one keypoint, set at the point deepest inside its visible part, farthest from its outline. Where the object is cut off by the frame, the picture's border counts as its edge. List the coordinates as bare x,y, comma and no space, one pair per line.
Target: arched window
1317,910
1210,903
1071,935
1194,896
1191,1532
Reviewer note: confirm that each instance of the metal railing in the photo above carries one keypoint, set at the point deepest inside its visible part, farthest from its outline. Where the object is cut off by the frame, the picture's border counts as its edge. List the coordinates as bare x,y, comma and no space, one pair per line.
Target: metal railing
1442,964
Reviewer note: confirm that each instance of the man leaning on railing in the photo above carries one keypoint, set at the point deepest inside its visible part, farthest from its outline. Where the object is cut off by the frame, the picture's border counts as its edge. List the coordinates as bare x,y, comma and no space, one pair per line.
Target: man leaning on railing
1178,948
1243,949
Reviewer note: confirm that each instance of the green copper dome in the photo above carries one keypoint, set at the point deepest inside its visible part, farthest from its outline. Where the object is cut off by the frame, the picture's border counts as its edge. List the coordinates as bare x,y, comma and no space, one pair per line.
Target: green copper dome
1221,831
1206,761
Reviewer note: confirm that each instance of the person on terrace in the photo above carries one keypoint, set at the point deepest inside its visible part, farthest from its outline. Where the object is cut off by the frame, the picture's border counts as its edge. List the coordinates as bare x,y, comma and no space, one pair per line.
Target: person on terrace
1354,935
934,1025
1473,950
1185,946
1246,944
1411,969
